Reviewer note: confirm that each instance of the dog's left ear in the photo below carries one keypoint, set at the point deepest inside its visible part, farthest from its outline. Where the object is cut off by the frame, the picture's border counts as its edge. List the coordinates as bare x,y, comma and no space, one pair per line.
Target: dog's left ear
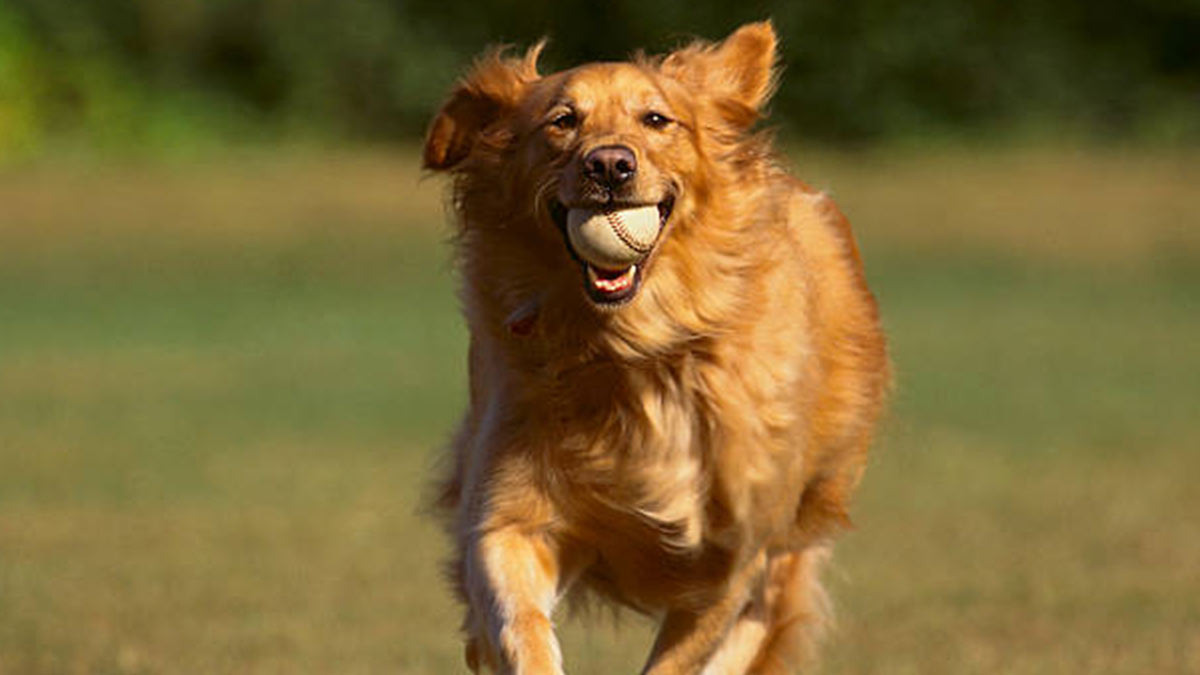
738,73
490,90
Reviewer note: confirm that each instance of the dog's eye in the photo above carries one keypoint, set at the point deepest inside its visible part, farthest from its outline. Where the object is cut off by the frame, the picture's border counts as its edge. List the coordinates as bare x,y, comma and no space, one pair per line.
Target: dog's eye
655,120
565,120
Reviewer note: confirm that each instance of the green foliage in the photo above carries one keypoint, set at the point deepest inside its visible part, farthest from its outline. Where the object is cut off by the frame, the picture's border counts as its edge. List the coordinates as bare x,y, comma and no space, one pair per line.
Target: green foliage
18,88
165,72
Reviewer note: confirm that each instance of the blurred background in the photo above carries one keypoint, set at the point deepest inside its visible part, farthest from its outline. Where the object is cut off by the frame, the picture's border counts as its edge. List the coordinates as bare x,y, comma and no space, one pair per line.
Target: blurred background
230,347
165,75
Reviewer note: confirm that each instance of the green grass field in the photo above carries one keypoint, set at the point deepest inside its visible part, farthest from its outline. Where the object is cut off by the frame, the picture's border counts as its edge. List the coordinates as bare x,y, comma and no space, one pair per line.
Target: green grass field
223,385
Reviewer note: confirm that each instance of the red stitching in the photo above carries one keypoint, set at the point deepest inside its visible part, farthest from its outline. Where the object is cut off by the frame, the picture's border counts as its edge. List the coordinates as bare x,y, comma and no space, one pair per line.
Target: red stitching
619,229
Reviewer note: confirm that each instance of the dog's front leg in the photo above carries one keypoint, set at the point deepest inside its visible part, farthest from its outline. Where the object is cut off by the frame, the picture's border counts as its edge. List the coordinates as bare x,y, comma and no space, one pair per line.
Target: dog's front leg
512,581
688,638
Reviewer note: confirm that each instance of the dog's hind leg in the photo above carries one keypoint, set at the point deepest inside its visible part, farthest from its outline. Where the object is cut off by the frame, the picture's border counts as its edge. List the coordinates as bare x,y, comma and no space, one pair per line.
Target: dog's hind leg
688,639
775,632
797,611
744,640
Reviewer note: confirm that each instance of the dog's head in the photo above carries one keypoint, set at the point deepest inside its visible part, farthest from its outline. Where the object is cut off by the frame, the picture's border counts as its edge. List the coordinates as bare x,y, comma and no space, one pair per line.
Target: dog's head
662,132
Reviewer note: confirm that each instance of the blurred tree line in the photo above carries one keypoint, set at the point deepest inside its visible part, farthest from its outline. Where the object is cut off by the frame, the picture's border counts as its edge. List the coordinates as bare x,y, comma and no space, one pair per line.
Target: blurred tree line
163,72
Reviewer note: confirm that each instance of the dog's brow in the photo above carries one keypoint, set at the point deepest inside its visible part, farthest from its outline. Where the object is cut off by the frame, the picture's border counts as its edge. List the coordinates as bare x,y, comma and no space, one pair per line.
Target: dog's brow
660,102
562,103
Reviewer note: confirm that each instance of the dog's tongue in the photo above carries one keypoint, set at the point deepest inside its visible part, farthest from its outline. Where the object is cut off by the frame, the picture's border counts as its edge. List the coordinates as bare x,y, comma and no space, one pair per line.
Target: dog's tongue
611,281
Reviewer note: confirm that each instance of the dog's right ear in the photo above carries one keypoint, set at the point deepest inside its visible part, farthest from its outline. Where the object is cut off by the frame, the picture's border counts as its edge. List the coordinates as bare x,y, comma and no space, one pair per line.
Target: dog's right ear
492,88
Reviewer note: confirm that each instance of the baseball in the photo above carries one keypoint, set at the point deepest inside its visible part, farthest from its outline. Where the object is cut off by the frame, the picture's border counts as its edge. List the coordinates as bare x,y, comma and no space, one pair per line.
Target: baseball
613,239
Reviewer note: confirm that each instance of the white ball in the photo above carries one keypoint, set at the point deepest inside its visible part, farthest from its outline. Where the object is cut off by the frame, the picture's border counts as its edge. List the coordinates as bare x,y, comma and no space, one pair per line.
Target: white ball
613,239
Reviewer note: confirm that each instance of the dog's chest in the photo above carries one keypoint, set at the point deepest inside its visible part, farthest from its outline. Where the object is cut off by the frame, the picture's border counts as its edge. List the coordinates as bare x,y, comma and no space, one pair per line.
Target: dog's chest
639,475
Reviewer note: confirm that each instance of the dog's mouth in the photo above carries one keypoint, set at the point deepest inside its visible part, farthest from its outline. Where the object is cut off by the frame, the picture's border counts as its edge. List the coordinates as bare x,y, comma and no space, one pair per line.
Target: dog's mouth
607,285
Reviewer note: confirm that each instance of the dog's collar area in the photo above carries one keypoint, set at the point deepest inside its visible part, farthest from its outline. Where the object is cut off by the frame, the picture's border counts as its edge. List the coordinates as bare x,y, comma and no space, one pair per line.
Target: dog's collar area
523,320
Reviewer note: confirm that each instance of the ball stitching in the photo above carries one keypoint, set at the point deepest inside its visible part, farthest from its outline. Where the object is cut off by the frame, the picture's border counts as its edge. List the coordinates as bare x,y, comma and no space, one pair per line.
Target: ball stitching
618,227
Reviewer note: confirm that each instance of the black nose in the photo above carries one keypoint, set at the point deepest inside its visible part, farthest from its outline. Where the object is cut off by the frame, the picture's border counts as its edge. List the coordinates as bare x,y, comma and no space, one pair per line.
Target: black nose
611,165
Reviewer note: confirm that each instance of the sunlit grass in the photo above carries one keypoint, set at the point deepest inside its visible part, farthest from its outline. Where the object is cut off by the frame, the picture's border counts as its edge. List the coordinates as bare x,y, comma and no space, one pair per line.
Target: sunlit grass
223,386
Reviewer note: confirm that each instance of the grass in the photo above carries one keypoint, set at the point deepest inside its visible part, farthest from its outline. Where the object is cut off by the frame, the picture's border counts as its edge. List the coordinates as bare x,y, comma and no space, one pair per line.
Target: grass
223,385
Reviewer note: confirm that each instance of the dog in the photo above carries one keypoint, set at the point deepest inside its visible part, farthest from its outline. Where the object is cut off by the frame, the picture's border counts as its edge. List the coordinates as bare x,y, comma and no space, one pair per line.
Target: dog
680,434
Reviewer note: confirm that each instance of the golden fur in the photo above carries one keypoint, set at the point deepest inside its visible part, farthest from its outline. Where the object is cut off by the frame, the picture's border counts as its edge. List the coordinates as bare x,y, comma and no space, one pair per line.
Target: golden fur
690,452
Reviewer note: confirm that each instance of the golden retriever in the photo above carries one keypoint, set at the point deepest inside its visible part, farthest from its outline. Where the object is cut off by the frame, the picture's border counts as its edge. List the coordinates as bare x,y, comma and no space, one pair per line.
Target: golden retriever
680,435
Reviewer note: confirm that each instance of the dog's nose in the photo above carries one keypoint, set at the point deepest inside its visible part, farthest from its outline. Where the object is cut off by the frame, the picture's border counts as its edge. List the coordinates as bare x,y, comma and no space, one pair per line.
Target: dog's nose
610,165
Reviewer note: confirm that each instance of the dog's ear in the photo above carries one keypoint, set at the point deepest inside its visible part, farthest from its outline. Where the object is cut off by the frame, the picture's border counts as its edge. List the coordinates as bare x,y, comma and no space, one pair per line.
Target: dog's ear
492,88
738,73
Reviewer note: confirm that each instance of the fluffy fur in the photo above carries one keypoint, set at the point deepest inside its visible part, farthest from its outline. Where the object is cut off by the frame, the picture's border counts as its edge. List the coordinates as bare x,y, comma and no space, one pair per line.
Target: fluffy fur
688,451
